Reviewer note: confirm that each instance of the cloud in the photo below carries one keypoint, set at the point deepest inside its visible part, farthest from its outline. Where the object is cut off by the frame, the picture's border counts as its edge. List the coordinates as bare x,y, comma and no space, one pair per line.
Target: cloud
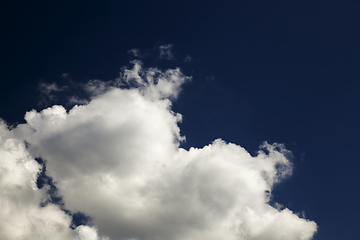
48,92
188,59
135,52
118,160
21,216
152,83
166,52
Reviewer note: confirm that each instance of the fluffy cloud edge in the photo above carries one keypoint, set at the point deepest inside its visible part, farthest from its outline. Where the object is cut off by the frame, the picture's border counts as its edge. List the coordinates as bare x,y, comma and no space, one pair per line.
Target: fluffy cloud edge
121,149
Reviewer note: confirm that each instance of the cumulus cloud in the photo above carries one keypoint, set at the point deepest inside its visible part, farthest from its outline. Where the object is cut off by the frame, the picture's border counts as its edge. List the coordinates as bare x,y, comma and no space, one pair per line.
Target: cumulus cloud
21,215
118,160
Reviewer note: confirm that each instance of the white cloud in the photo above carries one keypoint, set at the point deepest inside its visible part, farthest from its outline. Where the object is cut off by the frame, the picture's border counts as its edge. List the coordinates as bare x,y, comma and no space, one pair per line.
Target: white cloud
152,83
21,216
117,159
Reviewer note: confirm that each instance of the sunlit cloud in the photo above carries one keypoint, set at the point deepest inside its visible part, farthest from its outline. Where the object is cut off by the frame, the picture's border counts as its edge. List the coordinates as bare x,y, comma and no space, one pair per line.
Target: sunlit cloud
117,159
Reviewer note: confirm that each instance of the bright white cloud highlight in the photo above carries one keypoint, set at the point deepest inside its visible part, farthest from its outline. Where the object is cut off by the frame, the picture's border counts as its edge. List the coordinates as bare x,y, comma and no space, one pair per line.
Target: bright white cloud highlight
118,160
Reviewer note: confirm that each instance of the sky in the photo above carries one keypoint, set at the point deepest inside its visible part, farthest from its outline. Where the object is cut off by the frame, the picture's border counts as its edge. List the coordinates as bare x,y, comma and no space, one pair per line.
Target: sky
154,120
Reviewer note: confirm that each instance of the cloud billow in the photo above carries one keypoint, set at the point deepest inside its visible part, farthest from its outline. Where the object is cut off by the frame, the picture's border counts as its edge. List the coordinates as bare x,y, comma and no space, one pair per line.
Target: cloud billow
118,160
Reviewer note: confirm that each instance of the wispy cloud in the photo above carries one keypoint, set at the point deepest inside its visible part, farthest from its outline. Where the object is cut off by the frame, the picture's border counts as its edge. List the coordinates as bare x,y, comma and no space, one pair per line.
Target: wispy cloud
118,160
188,59
166,52
48,92
135,52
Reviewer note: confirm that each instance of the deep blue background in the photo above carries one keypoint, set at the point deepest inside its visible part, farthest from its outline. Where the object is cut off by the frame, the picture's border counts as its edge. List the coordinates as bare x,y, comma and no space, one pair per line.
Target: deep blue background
280,71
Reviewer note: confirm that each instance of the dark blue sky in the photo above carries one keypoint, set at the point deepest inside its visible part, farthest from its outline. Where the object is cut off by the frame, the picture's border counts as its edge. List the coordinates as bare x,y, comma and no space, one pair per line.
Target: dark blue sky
276,71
